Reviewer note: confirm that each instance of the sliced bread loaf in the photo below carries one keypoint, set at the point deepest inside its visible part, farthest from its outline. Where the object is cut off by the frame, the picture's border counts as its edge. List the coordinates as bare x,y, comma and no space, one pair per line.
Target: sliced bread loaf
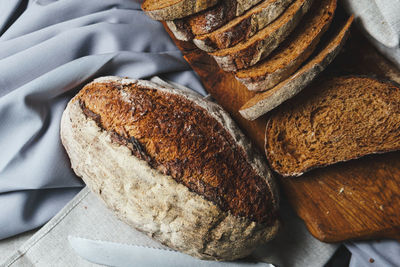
243,27
174,9
209,20
266,101
251,51
292,52
339,119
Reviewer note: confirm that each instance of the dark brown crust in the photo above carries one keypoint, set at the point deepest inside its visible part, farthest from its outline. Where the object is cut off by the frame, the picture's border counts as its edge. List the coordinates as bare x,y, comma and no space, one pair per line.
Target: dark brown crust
239,32
210,19
249,52
295,48
180,139
224,11
182,26
243,27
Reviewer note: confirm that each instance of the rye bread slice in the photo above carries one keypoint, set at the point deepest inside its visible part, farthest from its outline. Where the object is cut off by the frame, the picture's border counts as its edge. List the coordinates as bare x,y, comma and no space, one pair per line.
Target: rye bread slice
249,52
174,9
243,27
338,119
210,19
292,52
266,101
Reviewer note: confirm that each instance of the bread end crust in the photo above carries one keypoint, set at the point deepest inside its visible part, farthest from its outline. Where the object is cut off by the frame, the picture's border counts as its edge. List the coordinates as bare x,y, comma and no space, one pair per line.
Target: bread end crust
179,10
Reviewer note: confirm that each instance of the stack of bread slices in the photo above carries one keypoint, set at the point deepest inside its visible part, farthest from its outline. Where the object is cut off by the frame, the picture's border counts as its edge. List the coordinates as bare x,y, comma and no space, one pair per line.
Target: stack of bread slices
273,47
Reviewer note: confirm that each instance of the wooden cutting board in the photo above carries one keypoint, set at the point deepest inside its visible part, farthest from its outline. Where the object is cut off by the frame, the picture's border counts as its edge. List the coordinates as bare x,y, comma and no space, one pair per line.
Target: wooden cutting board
359,199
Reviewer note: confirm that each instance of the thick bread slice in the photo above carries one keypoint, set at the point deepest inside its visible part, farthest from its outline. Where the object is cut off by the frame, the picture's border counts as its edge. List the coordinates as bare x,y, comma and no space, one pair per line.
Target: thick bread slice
243,27
287,58
174,9
338,119
251,51
186,176
266,101
209,20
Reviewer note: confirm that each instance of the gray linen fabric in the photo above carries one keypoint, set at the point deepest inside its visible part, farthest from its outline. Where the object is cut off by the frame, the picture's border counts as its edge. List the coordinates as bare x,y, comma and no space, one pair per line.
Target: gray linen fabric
382,253
380,22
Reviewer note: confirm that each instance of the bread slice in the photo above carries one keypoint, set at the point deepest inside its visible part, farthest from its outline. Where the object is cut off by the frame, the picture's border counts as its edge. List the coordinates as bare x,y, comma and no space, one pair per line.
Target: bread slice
185,176
286,59
259,46
339,119
174,9
266,101
209,20
243,27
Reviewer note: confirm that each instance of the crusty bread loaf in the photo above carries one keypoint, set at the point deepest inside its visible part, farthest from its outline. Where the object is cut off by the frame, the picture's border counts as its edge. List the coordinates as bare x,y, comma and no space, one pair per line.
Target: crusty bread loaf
249,52
210,19
243,27
172,165
288,57
174,9
266,101
338,119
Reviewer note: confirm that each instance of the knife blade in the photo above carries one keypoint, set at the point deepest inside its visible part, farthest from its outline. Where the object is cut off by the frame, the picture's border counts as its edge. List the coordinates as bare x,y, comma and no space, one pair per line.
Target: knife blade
121,255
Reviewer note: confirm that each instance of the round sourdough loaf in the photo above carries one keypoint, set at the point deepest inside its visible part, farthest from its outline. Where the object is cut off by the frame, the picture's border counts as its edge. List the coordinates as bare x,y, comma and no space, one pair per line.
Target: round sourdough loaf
172,165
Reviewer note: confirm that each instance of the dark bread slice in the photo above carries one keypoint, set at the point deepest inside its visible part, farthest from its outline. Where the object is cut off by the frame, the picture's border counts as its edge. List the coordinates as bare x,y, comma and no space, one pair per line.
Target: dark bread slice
186,176
249,52
174,9
287,58
266,101
210,19
243,27
338,119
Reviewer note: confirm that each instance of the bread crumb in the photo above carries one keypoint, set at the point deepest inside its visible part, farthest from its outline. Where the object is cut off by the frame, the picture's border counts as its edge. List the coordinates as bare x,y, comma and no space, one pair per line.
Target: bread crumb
341,190
327,212
381,207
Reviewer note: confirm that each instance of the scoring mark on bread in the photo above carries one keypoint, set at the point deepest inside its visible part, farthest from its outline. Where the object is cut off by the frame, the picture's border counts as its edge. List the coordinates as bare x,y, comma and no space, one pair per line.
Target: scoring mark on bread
186,143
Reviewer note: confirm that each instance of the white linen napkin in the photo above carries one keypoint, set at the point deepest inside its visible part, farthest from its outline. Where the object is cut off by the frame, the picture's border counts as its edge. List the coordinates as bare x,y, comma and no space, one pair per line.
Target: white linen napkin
86,216
380,22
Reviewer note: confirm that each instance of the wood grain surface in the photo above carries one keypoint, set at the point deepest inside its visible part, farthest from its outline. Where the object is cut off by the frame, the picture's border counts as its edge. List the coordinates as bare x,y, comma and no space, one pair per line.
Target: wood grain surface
359,199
